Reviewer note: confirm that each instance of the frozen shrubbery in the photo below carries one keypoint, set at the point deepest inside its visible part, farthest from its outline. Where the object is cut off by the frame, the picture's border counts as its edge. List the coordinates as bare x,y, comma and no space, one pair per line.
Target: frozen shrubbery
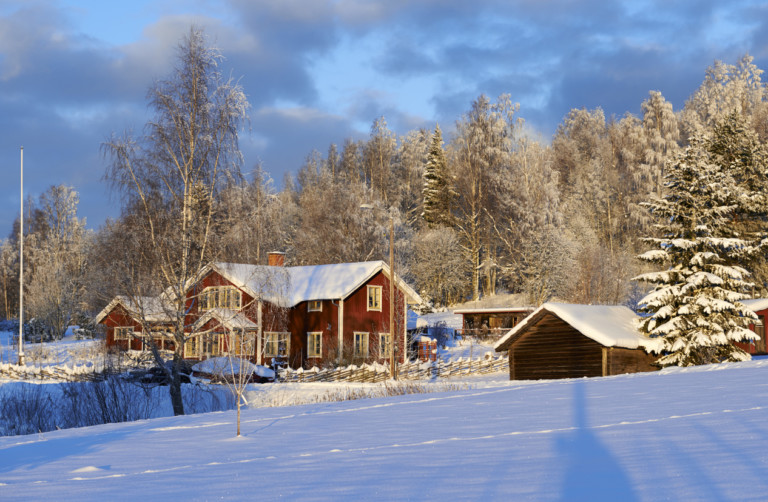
32,408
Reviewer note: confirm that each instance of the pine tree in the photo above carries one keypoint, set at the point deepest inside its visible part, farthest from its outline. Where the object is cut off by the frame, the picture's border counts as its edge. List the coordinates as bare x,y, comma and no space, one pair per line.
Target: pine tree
438,193
695,305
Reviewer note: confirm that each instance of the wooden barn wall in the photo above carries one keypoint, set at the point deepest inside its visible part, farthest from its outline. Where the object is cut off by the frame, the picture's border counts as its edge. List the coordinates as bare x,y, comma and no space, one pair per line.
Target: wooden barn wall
622,361
551,349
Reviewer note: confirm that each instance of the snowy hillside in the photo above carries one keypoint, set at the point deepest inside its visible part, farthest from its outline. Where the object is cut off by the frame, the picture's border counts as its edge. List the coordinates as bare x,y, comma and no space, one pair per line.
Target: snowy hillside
696,434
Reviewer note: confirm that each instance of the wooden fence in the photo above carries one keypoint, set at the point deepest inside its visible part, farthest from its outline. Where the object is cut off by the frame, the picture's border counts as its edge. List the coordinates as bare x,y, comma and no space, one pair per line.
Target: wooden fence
410,371
80,373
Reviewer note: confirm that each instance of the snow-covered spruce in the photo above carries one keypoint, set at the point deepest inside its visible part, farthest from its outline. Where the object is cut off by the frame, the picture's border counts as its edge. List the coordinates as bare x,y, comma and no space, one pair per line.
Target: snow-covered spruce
695,306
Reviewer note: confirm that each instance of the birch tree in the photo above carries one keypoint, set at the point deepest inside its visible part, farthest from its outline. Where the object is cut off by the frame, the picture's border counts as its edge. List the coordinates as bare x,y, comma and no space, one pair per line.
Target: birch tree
172,174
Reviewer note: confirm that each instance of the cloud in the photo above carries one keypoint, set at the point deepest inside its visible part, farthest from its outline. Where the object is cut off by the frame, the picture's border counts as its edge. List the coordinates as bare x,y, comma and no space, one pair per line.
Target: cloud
319,72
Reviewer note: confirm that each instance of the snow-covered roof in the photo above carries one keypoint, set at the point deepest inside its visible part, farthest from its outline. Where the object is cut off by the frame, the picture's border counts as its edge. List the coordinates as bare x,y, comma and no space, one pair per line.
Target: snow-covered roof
608,325
231,366
289,286
150,307
756,304
448,318
230,319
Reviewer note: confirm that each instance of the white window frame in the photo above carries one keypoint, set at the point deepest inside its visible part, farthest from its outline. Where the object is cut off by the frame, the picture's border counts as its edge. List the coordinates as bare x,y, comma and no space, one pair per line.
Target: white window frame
272,340
317,344
376,307
126,332
362,336
228,297
384,345
315,306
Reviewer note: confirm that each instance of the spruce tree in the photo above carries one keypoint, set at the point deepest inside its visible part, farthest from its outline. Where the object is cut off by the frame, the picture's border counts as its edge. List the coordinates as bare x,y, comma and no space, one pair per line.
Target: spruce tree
695,306
438,193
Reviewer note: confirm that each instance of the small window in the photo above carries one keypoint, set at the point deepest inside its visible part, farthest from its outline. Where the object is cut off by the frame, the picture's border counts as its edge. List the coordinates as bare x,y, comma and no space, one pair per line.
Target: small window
361,345
315,344
315,306
123,332
384,346
374,297
277,344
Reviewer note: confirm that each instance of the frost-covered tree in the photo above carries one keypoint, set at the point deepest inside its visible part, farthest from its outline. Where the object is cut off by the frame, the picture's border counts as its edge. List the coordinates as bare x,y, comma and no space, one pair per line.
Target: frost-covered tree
438,193
439,269
55,285
726,89
695,306
485,139
660,137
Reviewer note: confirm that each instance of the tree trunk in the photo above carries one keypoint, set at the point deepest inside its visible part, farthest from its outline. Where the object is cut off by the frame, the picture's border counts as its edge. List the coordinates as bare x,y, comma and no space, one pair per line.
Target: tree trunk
175,388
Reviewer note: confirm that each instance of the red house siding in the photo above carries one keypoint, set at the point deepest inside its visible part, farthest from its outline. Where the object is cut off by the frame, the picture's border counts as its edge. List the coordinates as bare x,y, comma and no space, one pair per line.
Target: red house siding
118,317
301,321
358,318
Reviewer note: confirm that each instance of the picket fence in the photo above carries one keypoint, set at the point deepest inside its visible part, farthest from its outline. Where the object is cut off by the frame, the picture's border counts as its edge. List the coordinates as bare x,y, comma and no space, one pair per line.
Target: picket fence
415,370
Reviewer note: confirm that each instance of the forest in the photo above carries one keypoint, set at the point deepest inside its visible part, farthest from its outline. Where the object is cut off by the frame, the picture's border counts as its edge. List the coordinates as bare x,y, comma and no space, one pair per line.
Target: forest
480,207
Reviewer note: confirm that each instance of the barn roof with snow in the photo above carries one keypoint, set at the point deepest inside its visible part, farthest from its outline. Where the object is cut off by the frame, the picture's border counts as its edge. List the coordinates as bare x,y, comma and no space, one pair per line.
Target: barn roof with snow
608,325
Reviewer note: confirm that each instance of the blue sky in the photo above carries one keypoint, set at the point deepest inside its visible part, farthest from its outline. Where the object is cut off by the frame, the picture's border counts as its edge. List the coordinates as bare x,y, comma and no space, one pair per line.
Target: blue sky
316,72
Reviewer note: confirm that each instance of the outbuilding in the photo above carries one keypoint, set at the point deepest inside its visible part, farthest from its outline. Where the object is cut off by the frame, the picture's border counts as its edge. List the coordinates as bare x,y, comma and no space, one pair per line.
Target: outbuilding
571,341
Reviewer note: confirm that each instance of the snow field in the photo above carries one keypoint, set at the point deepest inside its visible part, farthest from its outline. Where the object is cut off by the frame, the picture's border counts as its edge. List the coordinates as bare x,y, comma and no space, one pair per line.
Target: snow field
693,434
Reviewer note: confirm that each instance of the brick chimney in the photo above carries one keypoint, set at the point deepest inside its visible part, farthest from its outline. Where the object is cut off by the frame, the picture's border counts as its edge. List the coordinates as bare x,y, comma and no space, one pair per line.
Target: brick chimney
276,259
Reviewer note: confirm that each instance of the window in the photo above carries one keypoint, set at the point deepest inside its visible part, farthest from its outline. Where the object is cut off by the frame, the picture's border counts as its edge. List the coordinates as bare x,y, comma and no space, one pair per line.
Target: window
211,344
361,345
277,344
315,344
315,306
384,339
244,344
159,337
123,332
192,347
374,297
228,297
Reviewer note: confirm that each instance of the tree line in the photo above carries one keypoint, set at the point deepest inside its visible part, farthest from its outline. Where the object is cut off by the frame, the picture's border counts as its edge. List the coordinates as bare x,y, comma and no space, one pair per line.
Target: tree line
483,208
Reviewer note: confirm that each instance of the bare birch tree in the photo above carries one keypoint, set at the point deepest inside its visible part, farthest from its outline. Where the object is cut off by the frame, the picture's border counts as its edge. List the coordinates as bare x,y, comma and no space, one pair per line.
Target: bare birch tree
172,174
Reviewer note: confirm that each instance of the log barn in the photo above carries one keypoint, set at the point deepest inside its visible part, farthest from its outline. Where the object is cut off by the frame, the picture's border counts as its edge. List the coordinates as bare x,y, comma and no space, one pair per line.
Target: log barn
572,341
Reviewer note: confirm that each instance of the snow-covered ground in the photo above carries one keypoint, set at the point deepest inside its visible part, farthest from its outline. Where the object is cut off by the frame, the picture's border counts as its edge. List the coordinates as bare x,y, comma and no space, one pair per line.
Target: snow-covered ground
681,434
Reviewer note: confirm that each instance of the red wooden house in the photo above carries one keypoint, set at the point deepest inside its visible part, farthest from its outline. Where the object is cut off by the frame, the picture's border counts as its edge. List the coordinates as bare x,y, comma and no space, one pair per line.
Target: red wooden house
760,307
303,316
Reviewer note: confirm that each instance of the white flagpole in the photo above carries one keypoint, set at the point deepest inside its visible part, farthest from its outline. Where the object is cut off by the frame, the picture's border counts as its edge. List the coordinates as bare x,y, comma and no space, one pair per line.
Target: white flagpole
21,266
